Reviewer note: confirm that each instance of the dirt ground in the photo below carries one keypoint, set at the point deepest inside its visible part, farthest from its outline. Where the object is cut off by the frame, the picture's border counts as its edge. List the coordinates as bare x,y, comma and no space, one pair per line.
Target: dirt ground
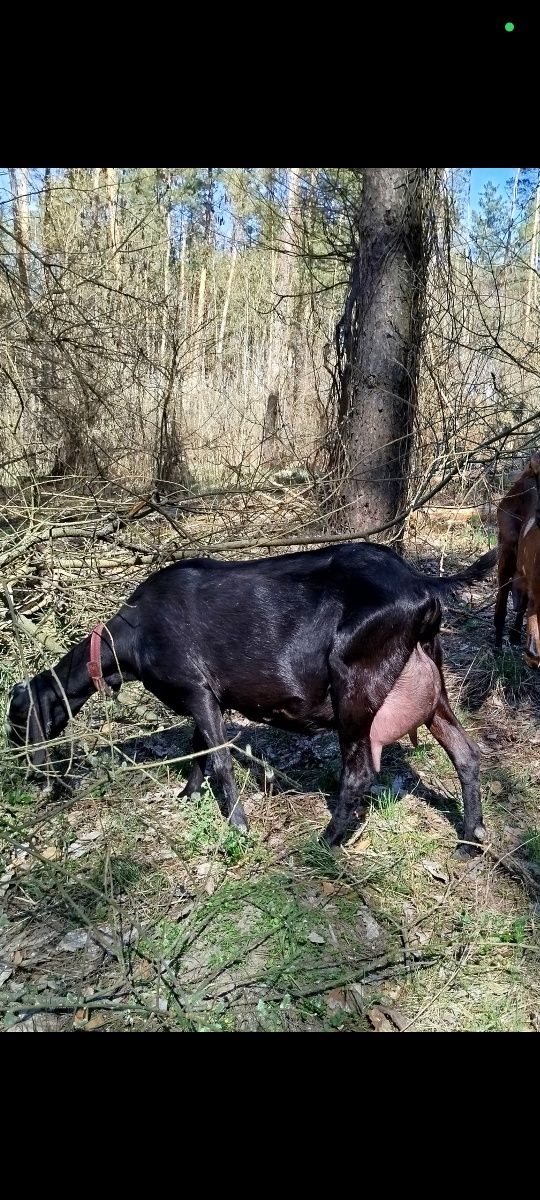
126,909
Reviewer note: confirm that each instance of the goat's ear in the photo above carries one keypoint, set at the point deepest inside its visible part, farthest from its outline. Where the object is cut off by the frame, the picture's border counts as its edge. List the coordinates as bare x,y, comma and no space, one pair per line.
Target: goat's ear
534,464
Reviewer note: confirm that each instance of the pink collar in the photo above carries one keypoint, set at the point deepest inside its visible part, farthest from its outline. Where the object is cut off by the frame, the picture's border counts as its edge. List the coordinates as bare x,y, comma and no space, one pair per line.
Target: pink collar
94,665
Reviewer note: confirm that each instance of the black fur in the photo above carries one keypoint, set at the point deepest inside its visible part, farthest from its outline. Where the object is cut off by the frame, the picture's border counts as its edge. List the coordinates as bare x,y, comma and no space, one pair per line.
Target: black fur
305,641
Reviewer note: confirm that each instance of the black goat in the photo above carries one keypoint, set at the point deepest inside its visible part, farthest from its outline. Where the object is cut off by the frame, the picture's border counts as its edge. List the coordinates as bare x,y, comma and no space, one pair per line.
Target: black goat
345,638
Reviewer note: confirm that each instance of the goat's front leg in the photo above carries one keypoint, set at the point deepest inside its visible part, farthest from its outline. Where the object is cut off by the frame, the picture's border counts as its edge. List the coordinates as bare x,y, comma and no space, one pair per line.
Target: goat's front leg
197,766
207,716
505,573
350,808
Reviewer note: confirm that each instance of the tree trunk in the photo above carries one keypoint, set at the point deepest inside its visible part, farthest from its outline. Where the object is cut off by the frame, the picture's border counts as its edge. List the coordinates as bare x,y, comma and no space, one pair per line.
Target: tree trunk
199,335
181,299
166,274
531,290
111,177
227,299
378,340
282,321
21,226
269,439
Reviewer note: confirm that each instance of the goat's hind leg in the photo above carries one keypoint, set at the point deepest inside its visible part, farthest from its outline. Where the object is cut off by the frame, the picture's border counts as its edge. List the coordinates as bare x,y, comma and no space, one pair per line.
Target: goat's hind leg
350,808
519,601
465,756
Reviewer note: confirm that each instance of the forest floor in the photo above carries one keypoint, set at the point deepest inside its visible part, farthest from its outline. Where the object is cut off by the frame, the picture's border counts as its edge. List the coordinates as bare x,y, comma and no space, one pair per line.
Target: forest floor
124,908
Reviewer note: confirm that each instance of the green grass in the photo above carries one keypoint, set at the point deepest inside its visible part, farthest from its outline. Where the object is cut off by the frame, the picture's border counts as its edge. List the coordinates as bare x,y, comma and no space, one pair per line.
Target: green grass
506,667
264,932
205,830
477,533
242,957
117,874
386,803
318,857
419,755
516,933
532,838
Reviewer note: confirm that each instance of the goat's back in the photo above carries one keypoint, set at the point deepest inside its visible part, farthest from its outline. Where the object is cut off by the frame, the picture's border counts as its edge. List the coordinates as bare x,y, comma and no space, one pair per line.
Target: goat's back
273,613
519,503
261,635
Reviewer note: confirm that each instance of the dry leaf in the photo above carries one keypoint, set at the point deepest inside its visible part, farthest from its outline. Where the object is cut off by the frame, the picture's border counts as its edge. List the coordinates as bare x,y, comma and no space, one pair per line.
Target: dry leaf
76,939
356,991
370,932
76,850
434,870
50,852
336,999
328,888
95,1022
316,938
496,786
17,958
398,1019
380,1023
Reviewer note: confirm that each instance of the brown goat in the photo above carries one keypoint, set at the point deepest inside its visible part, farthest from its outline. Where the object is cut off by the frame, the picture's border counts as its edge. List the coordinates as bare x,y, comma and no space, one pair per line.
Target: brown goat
526,587
514,513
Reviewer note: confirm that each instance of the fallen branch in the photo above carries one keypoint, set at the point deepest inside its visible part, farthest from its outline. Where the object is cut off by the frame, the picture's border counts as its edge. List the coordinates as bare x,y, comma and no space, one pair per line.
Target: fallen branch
368,972
20,622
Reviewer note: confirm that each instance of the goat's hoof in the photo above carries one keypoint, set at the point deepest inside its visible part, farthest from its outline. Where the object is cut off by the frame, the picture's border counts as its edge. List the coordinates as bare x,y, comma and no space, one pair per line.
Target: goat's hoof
188,793
337,835
331,836
464,852
472,845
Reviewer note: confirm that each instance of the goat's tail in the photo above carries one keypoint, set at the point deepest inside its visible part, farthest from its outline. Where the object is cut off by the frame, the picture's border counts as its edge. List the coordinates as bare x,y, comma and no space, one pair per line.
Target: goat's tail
477,570
429,620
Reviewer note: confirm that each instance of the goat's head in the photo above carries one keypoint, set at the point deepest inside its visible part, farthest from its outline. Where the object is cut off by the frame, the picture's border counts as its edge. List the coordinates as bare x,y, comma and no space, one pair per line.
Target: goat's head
29,721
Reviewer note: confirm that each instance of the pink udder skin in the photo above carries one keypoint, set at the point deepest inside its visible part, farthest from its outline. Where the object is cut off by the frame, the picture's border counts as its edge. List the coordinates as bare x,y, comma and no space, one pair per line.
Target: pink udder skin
412,702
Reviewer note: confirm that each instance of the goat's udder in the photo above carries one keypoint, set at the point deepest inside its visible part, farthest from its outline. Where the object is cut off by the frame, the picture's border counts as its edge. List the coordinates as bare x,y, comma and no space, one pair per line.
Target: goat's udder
411,703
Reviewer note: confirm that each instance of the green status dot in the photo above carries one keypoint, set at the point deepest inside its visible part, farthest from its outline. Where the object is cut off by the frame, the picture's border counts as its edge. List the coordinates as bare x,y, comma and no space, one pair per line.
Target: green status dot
509,26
